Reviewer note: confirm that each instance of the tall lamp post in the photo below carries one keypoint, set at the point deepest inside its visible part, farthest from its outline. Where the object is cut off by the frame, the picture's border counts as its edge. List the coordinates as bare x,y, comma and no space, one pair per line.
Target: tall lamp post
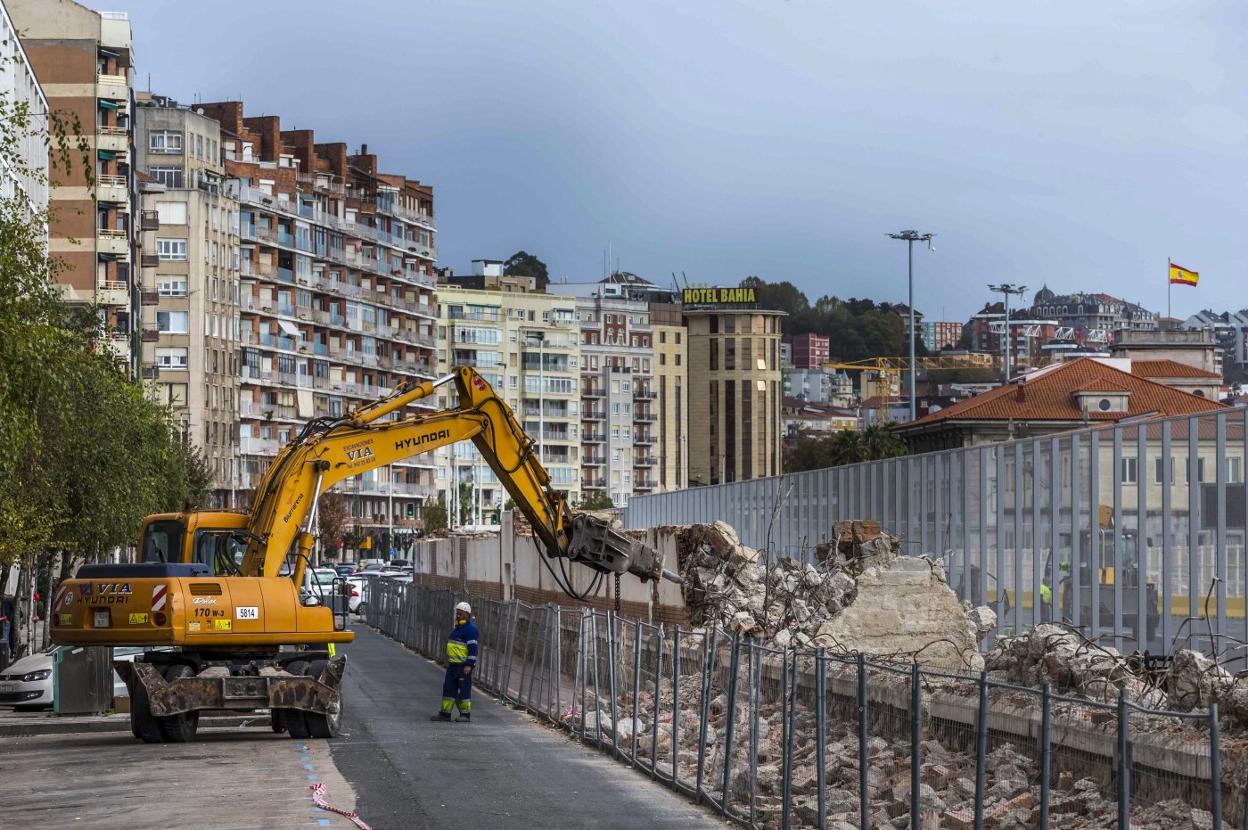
911,237
1007,288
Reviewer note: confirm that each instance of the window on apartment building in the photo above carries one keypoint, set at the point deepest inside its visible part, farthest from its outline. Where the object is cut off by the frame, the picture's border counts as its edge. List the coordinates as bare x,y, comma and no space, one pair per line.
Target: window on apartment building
1129,470
1233,472
171,286
171,322
164,141
171,358
168,176
171,213
199,146
713,344
172,394
1187,470
171,250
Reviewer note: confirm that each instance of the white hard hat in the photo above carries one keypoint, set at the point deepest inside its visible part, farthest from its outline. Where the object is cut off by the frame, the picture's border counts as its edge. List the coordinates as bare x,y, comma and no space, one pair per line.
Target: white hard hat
465,607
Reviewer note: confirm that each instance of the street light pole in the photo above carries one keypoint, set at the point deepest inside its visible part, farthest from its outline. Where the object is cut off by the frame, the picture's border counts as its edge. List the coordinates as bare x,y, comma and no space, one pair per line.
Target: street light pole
910,237
1007,288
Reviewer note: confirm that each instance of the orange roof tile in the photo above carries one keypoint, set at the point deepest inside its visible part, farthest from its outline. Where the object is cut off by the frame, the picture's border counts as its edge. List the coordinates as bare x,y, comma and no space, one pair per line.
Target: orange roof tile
1050,396
1169,369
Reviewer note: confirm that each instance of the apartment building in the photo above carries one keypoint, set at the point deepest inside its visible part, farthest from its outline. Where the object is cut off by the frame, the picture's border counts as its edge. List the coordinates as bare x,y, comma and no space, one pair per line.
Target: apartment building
190,281
18,85
336,296
619,397
84,61
735,392
671,385
526,345
807,351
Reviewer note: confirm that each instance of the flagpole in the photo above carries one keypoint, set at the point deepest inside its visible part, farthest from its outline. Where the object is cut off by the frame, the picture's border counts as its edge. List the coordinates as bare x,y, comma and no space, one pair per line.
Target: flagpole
1169,286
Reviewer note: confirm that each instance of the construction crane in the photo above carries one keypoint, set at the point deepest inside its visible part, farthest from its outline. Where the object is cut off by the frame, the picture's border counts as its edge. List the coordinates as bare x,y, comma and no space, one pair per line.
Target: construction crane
888,370
220,591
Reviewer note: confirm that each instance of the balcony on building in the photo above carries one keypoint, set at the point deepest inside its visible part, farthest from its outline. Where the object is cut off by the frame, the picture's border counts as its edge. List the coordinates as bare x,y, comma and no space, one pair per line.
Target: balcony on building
150,221
113,242
112,292
645,461
112,88
111,189
593,483
593,391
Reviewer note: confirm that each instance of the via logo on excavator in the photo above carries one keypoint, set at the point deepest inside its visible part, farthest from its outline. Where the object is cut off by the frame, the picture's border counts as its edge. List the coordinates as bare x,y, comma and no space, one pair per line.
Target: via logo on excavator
359,454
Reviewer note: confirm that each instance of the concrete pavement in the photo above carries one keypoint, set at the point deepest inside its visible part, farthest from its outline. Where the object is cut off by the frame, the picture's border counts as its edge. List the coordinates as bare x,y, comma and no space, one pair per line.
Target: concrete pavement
242,779
503,770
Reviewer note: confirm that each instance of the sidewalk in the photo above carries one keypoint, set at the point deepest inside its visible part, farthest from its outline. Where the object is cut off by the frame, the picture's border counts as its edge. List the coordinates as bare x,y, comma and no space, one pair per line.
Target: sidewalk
45,723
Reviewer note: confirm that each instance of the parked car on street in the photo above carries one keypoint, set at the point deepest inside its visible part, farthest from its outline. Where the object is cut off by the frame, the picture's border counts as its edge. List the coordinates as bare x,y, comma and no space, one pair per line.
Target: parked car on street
344,569
27,683
318,585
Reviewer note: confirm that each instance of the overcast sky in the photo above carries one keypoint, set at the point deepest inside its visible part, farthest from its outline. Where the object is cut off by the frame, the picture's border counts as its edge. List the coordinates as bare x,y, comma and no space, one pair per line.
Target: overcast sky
1077,144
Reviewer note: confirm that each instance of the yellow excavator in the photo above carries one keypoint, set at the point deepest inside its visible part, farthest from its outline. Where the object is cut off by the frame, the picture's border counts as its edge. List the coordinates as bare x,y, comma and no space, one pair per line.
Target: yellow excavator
220,591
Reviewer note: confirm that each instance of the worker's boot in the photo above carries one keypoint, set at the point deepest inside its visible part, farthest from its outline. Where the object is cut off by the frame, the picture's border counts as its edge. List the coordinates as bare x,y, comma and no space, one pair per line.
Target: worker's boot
463,717
445,717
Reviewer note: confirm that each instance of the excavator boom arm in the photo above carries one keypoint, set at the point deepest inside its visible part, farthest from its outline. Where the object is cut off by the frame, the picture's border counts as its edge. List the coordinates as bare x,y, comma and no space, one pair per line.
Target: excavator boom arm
327,452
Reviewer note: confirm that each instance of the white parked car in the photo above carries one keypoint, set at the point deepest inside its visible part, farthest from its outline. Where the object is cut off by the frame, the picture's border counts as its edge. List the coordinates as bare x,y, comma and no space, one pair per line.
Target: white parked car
318,585
28,682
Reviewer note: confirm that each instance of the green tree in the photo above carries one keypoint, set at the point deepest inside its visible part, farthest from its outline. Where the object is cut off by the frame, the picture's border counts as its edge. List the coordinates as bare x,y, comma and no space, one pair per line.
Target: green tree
848,446
524,264
87,454
433,516
598,501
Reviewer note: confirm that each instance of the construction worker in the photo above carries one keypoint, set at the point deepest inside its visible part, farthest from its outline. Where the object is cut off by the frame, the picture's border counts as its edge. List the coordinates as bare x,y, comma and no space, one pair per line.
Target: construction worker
461,657
1046,601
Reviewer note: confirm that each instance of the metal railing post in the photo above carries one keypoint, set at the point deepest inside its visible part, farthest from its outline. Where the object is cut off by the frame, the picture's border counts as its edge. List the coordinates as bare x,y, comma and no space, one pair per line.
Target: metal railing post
731,722
821,717
1121,763
1046,751
791,698
756,672
615,712
708,652
1215,770
675,704
864,764
981,749
916,742
636,689
658,689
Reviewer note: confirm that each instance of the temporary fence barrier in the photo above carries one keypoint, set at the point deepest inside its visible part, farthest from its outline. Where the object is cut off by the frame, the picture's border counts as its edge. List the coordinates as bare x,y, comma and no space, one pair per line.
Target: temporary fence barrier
1125,531
806,738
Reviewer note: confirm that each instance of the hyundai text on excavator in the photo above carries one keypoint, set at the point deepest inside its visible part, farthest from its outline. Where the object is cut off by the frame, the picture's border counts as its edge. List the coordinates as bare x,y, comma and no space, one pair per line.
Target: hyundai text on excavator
212,589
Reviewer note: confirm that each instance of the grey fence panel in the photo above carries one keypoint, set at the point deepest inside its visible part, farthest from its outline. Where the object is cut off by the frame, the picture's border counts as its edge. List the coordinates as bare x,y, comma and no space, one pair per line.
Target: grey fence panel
769,738
1123,530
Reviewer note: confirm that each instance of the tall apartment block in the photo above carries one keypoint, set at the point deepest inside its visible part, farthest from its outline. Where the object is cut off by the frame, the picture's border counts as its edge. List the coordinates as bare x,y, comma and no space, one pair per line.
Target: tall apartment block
336,296
84,60
190,281
618,396
735,393
526,344
18,85
670,384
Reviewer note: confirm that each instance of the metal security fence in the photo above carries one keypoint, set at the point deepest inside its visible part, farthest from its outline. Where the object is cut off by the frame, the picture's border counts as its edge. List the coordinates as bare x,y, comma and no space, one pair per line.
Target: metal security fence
1126,531
803,738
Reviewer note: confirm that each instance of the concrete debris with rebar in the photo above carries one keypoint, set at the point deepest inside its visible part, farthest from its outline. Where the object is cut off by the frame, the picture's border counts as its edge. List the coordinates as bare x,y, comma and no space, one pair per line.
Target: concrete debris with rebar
861,596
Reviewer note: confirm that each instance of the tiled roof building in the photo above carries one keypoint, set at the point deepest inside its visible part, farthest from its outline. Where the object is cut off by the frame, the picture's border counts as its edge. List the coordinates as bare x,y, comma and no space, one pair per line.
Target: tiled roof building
1062,397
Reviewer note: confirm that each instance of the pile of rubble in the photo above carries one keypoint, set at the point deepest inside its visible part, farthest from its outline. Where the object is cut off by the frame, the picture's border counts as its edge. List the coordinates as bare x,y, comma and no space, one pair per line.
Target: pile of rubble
1074,664
947,777
861,596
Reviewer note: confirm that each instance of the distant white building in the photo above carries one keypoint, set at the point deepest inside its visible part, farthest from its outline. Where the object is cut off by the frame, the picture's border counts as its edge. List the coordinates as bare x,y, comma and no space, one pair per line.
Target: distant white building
18,84
819,386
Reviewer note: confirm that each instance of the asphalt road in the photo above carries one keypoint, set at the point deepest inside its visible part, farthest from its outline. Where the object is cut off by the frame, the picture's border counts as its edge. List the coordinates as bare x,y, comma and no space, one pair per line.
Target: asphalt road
502,770
228,779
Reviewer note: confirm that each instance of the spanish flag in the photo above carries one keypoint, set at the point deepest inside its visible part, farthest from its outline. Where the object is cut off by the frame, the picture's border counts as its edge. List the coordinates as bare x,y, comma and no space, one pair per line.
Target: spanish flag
1181,276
